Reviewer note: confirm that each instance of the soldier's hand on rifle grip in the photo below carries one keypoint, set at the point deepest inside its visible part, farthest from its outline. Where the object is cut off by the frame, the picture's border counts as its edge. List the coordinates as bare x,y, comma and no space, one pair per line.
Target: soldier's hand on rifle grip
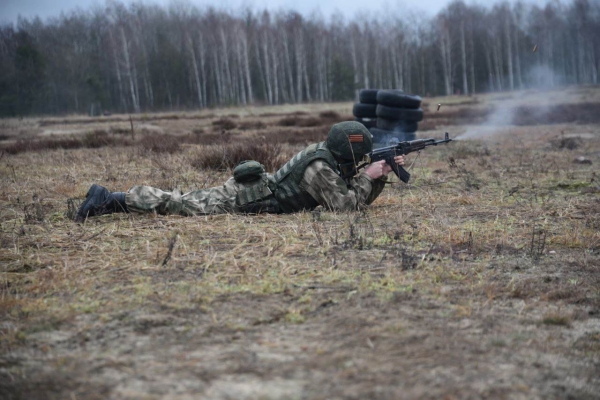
375,170
388,168
381,168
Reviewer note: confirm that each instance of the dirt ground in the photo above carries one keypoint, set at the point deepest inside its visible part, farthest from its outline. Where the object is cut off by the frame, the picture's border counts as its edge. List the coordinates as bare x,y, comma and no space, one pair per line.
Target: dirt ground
479,279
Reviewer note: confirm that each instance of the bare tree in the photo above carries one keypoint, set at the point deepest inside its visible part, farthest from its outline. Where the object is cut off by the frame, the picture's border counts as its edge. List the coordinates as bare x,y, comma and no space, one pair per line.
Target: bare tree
140,57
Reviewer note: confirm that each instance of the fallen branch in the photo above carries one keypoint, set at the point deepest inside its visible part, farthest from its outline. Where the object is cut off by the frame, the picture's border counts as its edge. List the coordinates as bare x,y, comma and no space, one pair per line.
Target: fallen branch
170,250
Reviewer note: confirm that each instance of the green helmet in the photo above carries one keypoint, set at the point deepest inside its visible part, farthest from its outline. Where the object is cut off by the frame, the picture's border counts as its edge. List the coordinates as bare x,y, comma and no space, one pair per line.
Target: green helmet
349,141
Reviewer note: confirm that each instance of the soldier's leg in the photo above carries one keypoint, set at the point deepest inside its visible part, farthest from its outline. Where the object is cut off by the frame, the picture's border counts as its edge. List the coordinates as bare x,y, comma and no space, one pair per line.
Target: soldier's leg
216,200
100,201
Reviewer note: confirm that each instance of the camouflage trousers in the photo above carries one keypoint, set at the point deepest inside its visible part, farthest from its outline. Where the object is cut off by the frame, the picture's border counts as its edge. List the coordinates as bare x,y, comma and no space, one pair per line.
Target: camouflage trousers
216,200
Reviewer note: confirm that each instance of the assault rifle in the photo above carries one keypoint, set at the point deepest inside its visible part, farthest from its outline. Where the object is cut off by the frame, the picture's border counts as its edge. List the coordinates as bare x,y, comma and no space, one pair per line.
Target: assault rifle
388,154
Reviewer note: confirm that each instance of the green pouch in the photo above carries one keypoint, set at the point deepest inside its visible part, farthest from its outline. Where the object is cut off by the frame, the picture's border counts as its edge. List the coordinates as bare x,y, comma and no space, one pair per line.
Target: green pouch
257,198
248,171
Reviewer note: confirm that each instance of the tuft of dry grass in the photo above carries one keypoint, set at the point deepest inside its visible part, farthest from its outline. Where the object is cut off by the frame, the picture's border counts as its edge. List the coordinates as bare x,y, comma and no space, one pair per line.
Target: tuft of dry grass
330,115
297,136
288,121
159,144
227,156
303,122
558,319
91,140
252,125
225,124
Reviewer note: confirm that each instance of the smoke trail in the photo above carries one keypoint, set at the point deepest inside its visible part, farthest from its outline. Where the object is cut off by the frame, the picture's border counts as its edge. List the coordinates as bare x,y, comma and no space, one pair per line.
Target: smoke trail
542,78
501,117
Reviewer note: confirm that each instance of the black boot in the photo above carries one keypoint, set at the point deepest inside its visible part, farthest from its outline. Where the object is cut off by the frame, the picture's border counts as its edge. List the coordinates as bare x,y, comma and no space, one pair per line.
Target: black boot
99,201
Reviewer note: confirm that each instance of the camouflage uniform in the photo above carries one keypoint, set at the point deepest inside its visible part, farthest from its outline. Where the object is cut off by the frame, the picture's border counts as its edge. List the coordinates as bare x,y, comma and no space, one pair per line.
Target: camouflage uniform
311,178
330,190
319,180
216,200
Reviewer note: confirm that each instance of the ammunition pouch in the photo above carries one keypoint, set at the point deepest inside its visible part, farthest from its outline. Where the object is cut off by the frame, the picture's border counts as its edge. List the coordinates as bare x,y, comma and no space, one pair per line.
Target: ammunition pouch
258,197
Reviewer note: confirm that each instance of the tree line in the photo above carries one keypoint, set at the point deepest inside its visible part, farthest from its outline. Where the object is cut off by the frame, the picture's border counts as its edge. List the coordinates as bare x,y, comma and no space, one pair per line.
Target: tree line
140,58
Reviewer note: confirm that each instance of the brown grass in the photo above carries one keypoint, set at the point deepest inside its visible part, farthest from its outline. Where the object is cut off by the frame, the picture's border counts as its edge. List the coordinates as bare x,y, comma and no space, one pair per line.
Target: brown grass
52,121
331,115
297,136
434,274
226,124
558,319
227,156
153,142
252,125
92,140
306,122
159,144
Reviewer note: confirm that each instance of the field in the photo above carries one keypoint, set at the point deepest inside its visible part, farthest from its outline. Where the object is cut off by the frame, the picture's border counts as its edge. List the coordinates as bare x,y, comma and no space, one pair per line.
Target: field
479,279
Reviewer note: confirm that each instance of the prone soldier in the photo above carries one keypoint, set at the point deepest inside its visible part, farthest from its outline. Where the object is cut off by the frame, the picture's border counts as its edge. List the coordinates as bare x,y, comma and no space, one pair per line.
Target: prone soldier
311,178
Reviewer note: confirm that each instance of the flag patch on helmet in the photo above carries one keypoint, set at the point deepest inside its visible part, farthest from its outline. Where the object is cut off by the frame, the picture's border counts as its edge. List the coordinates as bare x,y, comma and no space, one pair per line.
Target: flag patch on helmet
356,138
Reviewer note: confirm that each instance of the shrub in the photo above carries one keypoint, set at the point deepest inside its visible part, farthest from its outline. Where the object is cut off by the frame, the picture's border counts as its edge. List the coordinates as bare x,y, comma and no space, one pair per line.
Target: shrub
160,143
91,140
208,138
288,121
309,122
569,143
252,125
97,139
228,156
301,122
298,136
120,131
225,124
330,115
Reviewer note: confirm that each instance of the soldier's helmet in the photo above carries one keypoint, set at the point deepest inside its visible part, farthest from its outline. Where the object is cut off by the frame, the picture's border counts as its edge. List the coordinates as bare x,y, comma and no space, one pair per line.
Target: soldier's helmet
349,141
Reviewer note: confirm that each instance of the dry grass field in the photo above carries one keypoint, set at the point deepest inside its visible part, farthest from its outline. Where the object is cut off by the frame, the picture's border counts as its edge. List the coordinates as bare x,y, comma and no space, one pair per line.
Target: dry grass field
479,279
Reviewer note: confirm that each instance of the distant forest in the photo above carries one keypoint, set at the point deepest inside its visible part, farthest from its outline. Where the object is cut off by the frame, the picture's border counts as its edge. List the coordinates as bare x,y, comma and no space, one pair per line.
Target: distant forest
140,58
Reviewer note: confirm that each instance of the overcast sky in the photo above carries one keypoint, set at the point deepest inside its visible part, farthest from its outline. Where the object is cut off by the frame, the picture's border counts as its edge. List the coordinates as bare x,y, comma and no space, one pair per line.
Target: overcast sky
10,9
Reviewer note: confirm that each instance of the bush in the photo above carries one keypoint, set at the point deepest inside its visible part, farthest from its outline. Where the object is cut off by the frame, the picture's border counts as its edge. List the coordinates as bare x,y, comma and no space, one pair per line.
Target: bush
330,115
225,123
207,138
160,143
298,136
120,131
228,156
252,125
97,139
288,121
92,140
309,122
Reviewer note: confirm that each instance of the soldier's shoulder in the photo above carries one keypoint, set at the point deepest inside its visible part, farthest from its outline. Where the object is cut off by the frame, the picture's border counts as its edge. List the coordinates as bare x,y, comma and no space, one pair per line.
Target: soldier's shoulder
318,165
